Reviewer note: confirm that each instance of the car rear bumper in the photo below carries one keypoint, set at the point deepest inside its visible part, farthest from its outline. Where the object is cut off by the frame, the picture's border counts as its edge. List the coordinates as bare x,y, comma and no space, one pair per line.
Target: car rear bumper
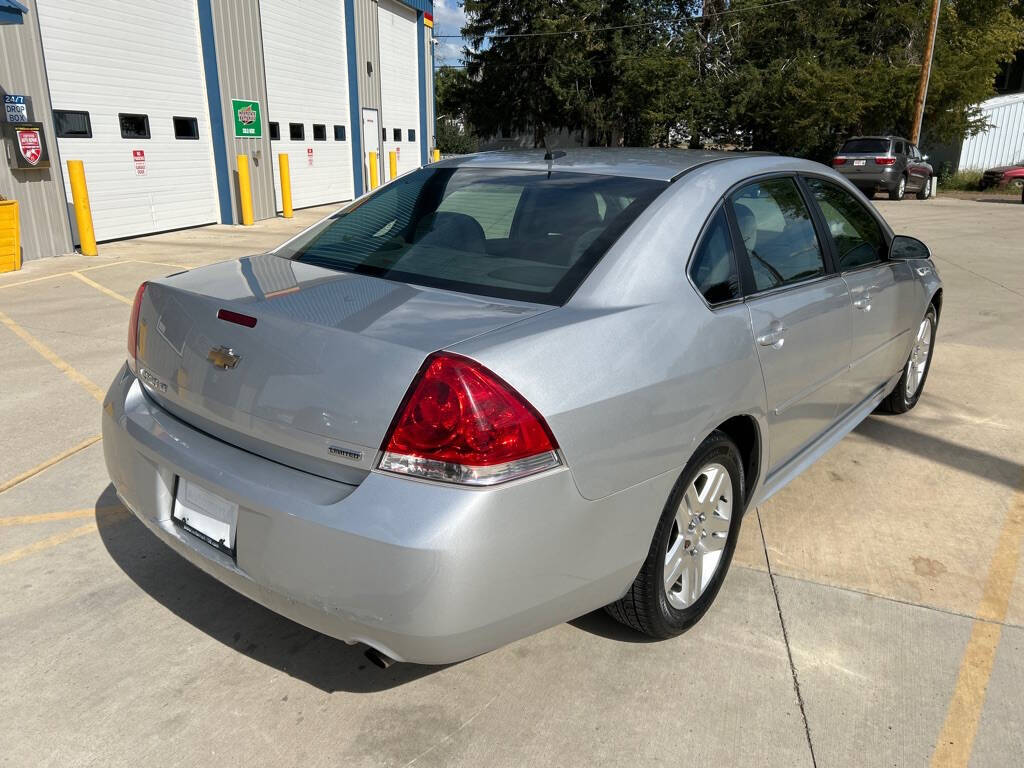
870,177
423,572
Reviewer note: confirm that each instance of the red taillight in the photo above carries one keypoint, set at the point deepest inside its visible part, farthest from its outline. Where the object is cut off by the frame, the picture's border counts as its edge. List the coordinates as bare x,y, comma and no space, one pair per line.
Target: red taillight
461,423
838,161
133,325
885,161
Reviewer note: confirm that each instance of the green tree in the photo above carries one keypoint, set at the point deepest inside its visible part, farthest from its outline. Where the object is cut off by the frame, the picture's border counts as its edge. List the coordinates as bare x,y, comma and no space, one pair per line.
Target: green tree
805,75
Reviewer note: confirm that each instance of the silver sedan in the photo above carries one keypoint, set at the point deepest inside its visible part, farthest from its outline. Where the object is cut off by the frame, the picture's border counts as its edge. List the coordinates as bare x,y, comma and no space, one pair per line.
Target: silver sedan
508,389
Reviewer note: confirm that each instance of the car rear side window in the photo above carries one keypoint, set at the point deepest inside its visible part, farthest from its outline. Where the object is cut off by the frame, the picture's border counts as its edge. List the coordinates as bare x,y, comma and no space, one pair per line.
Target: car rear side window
857,236
866,146
513,234
779,238
713,268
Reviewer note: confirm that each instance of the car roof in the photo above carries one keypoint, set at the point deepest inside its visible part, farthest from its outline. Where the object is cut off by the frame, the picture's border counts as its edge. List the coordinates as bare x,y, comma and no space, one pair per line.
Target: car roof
884,138
643,163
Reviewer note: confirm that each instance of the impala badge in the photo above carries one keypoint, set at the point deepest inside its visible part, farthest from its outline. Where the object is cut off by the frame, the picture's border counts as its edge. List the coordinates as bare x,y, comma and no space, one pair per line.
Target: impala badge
223,357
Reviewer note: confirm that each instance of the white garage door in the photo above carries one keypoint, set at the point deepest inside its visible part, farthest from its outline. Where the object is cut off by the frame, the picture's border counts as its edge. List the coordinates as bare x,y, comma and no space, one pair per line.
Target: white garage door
399,84
307,89
133,77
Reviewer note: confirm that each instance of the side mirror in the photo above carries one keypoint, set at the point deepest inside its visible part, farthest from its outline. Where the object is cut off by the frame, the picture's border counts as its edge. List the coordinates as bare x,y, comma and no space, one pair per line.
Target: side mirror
905,248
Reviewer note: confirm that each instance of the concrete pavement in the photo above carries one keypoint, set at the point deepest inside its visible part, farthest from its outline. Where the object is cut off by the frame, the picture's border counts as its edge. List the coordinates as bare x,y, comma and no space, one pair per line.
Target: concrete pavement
874,614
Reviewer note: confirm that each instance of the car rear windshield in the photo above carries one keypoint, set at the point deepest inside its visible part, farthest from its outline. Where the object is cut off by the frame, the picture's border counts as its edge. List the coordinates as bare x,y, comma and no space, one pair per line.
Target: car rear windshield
512,234
867,146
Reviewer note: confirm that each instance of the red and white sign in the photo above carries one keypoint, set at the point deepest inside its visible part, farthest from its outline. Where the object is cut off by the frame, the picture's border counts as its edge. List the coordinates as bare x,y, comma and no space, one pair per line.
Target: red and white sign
139,158
30,144
309,155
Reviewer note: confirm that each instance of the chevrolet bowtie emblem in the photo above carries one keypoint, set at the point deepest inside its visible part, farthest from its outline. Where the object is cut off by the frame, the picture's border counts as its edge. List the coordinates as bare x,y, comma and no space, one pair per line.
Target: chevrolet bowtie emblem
223,357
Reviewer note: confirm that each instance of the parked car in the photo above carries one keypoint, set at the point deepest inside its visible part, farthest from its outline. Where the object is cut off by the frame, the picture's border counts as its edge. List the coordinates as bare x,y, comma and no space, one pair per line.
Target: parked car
1006,175
503,391
885,163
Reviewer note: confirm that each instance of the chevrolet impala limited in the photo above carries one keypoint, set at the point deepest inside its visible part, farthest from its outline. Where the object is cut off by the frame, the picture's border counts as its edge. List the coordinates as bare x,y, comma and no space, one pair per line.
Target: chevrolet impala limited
511,388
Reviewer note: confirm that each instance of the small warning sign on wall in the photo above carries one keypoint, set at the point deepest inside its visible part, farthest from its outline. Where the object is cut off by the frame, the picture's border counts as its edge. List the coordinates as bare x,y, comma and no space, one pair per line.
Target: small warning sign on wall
139,158
309,155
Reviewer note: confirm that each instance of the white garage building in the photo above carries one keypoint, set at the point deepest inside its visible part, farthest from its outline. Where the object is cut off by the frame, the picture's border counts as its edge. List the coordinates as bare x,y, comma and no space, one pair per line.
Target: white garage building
159,97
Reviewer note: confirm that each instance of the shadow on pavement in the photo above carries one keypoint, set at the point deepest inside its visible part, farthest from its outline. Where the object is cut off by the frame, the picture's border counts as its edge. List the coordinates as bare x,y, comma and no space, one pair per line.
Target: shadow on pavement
238,622
601,624
988,466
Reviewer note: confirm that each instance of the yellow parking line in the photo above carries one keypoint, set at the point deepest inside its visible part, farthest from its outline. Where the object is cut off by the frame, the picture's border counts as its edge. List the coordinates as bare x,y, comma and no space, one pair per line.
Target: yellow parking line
47,464
52,357
34,280
103,288
59,538
50,517
956,740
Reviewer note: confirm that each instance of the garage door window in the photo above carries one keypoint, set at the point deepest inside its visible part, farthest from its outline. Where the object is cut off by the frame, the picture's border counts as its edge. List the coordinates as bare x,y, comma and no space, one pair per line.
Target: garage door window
397,134
134,126
412,135
186,128
275,131
319,132
339,133
296,131
72,124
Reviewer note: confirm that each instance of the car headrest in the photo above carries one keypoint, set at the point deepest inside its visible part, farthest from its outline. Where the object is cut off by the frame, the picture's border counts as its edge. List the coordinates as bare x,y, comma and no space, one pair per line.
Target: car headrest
451,230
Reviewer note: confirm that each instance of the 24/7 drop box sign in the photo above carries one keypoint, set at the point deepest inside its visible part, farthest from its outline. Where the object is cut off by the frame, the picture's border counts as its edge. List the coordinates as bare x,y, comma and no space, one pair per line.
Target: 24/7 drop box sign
248,120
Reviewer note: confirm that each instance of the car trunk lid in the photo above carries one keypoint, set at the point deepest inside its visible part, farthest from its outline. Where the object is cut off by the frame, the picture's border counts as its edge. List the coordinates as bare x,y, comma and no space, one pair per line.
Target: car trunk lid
316,381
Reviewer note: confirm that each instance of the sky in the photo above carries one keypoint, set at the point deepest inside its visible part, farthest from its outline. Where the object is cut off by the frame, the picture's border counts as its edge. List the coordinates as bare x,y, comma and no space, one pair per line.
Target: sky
449,17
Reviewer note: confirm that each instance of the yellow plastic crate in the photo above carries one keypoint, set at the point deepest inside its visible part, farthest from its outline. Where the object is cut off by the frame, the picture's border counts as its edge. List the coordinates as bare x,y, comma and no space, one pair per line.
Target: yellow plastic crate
10,236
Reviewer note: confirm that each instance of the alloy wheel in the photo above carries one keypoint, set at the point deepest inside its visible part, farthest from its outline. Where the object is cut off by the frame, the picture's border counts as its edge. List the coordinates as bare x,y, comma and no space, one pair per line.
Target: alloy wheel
919,358
699,534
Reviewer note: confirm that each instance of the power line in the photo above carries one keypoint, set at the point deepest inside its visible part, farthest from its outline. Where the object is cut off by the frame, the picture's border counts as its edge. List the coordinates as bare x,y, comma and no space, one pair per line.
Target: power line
728,11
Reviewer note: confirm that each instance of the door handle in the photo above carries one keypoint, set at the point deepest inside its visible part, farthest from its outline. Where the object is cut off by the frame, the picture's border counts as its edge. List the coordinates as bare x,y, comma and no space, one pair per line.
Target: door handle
774,338
863,303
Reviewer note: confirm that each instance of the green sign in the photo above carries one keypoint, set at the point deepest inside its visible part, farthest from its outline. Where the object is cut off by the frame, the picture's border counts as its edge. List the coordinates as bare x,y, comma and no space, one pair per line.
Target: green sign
248,121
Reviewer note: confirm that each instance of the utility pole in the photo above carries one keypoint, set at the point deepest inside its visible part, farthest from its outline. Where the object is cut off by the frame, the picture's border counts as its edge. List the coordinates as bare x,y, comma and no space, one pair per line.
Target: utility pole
926,74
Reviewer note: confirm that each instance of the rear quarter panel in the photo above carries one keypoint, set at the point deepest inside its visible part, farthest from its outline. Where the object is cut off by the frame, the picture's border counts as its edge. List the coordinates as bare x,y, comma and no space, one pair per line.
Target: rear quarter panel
635,370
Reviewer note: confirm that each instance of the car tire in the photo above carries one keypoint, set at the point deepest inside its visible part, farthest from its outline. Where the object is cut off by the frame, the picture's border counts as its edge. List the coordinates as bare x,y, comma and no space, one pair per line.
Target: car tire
926,190
899,191
915,371
1017,184
648,606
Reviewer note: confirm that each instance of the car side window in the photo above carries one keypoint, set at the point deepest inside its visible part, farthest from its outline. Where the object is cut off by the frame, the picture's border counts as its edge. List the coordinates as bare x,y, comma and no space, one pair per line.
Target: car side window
713,268
858,237
778,235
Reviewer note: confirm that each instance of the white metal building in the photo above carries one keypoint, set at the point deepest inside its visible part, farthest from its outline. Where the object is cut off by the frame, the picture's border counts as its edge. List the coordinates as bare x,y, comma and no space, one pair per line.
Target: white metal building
129,100
307,95
1003,143
400,107
160,98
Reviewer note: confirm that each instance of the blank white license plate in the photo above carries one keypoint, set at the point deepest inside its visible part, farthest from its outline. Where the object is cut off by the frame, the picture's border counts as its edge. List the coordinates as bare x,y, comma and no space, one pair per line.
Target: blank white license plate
859,162
206,514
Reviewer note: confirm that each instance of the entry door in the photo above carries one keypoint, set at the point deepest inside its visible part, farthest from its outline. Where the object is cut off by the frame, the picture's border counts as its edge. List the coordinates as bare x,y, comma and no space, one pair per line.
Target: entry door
371,143
879,289
799,315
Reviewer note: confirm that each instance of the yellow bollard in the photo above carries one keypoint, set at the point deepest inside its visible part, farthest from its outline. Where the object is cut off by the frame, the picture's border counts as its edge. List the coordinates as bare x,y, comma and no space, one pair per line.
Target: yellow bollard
245,190
393,163
437,154
286,185
83,213
10,236
374,183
